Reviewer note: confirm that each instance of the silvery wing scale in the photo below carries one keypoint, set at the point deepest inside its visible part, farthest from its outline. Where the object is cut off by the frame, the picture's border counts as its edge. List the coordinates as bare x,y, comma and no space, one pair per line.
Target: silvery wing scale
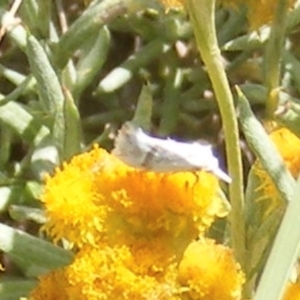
139,150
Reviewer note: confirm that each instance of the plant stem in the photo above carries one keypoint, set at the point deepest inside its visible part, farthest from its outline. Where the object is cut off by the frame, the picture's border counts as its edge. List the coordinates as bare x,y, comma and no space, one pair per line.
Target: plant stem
273,55
202,17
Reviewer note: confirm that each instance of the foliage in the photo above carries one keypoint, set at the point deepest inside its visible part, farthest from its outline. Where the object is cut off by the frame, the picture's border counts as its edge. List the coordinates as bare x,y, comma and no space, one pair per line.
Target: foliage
72,72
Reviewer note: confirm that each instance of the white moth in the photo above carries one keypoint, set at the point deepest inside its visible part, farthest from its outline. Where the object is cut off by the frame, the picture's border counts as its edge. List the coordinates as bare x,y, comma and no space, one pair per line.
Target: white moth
139,150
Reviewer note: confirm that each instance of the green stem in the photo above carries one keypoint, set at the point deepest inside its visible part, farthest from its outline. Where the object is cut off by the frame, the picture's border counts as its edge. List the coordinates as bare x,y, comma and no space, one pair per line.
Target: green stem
273,54
202,17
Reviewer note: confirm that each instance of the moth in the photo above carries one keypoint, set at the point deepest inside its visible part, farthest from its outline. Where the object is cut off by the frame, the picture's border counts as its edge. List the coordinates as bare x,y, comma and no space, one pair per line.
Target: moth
139,150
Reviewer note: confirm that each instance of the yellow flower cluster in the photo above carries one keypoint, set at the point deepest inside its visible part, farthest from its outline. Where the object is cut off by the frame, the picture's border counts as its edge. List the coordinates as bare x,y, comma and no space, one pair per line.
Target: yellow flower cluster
96,195
134,233
209,270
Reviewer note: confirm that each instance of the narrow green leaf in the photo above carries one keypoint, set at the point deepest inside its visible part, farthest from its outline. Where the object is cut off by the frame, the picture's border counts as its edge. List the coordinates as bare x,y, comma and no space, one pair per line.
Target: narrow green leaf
143,112
5,146
170,109
8,195
283,254
50,91
256,93
33,189
12,75
44,159
251,41
25,125
93,18
30,12
35,256
292,65
16,289
72,138
233,26
51,95
122,74
25,87
36,15
24,213
92,59
264,149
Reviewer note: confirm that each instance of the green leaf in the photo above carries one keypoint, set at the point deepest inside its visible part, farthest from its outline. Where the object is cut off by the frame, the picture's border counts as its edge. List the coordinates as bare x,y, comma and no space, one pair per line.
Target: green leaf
25,125
72,138
10,194
143,112
16,289
265,150
24,213
292,65
170,109
50,91
93,56
283,254
123,73
14,77
36,15
35,256
93,18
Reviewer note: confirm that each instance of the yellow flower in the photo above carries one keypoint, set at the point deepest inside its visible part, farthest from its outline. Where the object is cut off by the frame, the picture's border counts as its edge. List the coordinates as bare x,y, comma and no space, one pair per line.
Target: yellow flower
292,292
112,273
109,273
51,286
130,227
145,270
70,200
96,197
288,145
209,272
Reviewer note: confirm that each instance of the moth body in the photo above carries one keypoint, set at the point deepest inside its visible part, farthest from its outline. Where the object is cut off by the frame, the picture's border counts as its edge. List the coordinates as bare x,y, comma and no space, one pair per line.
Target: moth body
139,150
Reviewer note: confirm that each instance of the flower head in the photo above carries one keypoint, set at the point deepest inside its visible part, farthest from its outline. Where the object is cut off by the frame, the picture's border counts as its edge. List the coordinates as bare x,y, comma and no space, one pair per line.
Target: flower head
96,196
145,270
131,227
288,145
52,286
209,271
109,273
